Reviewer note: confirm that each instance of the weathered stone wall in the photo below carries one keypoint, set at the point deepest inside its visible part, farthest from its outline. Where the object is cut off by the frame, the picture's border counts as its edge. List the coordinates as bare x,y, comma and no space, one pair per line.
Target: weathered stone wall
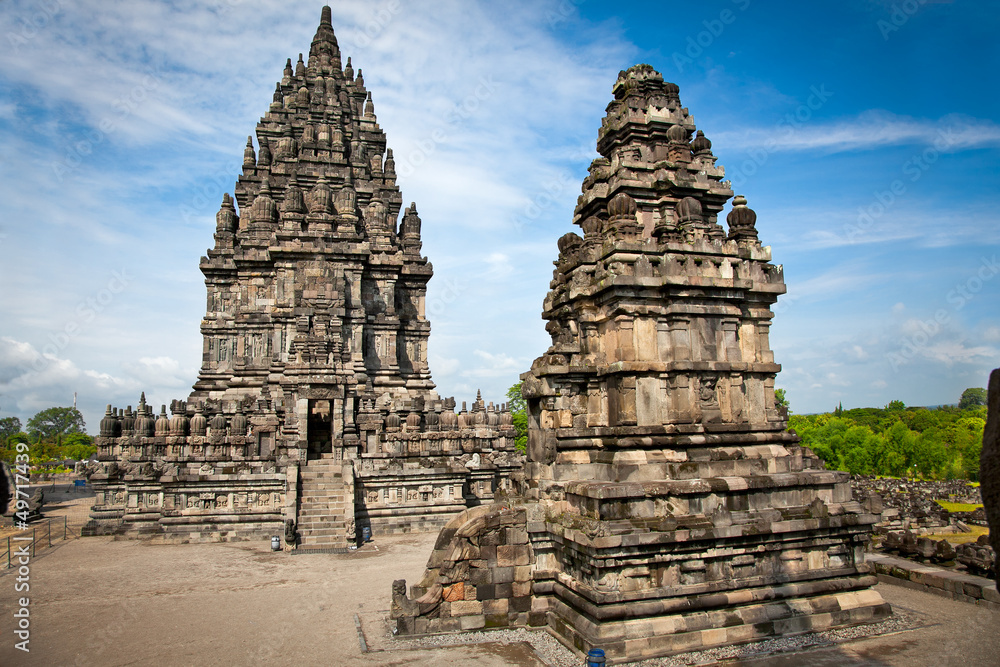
478,576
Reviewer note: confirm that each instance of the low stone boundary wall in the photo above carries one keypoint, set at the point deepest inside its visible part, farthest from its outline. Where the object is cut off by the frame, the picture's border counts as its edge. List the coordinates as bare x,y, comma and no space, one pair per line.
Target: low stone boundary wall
954,585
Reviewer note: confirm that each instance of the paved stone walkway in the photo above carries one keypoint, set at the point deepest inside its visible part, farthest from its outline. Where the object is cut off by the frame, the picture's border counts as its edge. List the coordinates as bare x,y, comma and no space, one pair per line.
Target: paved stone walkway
937,580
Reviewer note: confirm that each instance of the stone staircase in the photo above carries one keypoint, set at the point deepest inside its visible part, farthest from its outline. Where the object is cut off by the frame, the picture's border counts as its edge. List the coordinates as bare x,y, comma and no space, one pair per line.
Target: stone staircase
325,504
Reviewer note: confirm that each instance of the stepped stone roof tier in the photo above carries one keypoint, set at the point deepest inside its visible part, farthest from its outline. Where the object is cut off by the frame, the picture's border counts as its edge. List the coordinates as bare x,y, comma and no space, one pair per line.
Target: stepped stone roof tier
314,408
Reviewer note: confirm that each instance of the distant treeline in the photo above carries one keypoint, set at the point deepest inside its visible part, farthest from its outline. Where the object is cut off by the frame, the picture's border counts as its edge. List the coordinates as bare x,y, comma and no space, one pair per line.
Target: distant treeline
896,441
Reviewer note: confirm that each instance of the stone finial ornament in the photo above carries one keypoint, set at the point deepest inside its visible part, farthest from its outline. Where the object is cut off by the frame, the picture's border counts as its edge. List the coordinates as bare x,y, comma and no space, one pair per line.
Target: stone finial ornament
264,209
742,220
264,154
226,220
249,155
700,145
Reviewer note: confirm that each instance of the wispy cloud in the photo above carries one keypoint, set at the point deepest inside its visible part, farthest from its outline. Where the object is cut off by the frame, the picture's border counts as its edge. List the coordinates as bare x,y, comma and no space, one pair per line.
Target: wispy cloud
866,131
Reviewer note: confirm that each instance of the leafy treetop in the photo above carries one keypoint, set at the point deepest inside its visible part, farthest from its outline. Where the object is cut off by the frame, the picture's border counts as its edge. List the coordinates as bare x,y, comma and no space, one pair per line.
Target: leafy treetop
519,416
50,423
972,397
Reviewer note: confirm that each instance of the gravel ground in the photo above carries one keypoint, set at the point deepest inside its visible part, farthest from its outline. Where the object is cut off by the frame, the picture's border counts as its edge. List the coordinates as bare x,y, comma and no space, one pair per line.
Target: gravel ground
556,655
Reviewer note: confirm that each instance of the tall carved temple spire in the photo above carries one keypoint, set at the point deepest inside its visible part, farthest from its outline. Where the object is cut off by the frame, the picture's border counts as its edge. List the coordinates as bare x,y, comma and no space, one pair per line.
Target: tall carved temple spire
315,342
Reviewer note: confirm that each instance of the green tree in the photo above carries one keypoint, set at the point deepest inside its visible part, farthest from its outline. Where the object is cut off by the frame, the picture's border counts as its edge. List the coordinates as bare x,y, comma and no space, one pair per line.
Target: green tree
78,446
8,427
780,400
895,406
972,397
44,450
519,416
53,422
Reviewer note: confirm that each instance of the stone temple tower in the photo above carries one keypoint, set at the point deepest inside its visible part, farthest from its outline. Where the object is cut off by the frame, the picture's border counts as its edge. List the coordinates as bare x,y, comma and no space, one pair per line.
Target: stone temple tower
665,506
315,285
314,408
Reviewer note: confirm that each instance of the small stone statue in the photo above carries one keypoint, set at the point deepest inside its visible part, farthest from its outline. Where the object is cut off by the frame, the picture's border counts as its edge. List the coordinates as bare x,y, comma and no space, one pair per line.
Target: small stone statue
291,536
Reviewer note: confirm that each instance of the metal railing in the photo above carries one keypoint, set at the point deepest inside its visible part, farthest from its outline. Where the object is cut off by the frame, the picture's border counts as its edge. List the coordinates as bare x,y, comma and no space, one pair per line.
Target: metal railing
41,538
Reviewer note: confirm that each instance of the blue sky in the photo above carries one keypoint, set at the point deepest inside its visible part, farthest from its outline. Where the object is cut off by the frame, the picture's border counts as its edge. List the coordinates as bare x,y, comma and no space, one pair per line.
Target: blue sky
864,134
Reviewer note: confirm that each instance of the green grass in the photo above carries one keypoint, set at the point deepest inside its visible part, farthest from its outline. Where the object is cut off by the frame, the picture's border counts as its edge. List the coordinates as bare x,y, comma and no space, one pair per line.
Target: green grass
962,538
958,507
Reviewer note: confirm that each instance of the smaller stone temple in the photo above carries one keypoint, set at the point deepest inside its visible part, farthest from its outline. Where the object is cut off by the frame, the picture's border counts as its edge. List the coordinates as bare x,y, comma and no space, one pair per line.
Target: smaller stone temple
314,411
665,507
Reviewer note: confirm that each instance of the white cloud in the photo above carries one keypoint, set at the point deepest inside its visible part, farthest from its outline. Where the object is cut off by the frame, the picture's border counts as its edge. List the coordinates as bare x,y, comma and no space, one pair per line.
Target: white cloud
869,130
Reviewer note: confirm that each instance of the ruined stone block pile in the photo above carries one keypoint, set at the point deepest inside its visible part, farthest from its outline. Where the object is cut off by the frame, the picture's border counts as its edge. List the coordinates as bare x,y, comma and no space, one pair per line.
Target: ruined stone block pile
907,504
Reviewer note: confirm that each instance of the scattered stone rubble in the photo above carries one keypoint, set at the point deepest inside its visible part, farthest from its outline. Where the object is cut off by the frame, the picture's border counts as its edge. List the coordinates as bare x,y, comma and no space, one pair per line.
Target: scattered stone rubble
909,504
978,558
908,512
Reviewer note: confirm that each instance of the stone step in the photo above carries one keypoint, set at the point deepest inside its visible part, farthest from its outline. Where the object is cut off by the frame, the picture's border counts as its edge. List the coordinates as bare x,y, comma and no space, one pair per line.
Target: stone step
324,540
312,528
339,531
322,515
321,498
320,510
325,543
